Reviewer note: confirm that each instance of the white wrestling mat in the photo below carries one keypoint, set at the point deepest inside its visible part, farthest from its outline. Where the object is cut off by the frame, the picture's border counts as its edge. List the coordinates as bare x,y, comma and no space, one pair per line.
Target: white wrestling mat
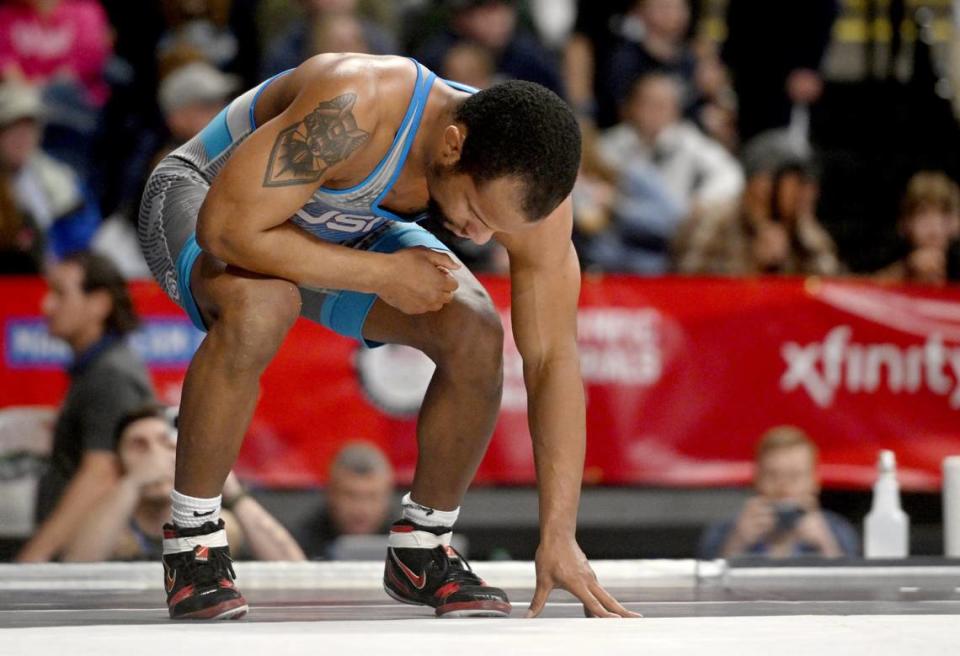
690,607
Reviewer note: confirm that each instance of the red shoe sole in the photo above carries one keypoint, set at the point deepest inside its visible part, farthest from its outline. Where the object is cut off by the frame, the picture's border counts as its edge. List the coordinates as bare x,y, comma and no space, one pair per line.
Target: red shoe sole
485,608
232,609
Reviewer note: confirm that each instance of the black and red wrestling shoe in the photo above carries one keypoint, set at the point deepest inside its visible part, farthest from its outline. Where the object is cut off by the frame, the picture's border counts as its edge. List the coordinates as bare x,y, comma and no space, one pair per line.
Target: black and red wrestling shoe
423,569
198,574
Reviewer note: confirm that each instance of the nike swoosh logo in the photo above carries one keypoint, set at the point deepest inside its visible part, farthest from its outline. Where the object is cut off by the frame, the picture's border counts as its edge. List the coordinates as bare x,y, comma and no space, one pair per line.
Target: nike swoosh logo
197,514
418,581
171,580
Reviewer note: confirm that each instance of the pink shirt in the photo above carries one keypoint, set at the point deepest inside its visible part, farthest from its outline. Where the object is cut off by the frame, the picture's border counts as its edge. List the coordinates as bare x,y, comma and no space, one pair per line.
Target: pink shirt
72,40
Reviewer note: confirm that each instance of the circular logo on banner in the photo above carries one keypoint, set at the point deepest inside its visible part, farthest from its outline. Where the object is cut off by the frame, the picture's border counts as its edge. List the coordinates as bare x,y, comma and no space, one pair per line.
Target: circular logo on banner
394,378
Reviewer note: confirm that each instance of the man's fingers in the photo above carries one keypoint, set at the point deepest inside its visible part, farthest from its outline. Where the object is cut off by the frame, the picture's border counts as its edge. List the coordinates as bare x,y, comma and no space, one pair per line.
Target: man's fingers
610,602
450,284
591,607
539,599
440,259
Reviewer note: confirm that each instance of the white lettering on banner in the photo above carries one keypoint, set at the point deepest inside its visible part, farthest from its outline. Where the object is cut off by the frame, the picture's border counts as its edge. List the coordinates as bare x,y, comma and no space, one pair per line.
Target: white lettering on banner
620,346
617,346
822,368
340,221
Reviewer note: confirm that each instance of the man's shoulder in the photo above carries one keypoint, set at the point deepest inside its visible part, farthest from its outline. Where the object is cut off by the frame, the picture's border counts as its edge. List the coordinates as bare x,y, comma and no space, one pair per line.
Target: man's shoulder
375,72
119,360
382,84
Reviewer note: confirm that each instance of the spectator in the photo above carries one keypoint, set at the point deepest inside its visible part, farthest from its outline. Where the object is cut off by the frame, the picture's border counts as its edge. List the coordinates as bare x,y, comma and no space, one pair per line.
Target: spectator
773,230
469,64
929,225
586,59
774,51
221,32
60,47
312,35
784,519
668,170
21,251
653,38
128,524
47,200
88,307
190,97
492,24
359,491
595,191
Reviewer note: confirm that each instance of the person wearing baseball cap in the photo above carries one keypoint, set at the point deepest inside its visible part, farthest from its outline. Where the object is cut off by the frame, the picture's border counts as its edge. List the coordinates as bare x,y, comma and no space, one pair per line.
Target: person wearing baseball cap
49,214
191,96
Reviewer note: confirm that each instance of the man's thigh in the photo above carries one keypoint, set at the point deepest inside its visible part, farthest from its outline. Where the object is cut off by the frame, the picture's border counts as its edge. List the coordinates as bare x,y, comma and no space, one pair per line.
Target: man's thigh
369,320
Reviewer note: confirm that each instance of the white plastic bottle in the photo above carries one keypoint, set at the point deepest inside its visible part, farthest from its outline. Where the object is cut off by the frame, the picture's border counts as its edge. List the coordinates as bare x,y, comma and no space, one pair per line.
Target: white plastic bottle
887,527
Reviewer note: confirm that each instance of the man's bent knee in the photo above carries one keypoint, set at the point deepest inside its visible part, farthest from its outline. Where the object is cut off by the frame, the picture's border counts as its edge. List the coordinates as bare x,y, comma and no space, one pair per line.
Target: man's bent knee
470,336
255,315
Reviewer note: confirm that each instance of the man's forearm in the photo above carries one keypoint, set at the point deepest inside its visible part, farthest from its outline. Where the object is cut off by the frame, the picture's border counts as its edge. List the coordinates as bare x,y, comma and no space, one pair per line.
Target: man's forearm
80,496
98,539
557,415
287,252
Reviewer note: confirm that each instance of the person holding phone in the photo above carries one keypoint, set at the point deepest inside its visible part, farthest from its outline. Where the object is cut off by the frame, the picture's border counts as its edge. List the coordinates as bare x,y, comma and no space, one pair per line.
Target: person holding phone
784,519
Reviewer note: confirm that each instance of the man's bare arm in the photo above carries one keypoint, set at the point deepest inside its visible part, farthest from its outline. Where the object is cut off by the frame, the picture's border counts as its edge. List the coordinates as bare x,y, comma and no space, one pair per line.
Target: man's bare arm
94,478
244,220
545,276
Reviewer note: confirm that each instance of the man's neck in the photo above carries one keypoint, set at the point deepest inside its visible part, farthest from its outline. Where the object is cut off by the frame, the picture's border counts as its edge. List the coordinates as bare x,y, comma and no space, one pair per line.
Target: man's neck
662,47
81,342
438,114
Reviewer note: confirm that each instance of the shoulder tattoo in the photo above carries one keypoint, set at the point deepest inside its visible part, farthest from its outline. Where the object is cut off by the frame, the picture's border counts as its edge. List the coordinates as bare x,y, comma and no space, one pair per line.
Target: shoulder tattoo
303,151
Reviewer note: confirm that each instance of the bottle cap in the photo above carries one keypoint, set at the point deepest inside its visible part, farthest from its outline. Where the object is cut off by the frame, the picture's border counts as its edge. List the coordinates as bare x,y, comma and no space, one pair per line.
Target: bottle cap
887,461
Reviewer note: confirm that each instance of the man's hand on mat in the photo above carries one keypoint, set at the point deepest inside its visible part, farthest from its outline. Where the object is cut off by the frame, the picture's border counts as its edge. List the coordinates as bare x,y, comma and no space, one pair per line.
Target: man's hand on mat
562,564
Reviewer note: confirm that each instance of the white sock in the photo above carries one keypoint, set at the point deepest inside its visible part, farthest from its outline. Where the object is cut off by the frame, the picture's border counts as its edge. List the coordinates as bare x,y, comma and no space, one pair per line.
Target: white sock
424,516
189,512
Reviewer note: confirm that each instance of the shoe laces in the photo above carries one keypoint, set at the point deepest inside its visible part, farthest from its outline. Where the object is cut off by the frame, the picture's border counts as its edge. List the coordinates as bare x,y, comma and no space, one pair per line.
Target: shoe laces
219,565
455,567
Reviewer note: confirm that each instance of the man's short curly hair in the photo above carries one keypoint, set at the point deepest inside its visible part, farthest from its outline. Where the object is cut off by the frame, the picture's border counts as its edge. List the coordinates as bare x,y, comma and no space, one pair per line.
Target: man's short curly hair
525,130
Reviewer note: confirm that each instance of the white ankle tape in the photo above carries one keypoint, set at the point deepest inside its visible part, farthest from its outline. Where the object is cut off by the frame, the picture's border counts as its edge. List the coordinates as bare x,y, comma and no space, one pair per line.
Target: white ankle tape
419,539
426,516
178,545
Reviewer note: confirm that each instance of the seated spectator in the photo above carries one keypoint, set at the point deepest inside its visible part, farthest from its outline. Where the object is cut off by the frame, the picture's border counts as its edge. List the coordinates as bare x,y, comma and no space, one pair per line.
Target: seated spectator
60,47
189,97
88,306
784,519
773,230
128,523
313,34
668,170
929,225
47,201
595,191
492,24
220,32
469,64
359,492
586,59
653,38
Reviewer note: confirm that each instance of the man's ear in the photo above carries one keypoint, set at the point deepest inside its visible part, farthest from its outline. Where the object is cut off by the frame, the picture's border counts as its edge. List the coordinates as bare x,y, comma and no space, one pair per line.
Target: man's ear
452,146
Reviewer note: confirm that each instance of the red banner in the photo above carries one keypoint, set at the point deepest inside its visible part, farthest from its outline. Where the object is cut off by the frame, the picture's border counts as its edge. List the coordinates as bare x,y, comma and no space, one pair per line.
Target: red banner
682,378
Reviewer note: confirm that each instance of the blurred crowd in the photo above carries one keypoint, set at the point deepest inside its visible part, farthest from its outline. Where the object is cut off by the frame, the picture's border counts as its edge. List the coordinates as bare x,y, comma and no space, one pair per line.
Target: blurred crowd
722,137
